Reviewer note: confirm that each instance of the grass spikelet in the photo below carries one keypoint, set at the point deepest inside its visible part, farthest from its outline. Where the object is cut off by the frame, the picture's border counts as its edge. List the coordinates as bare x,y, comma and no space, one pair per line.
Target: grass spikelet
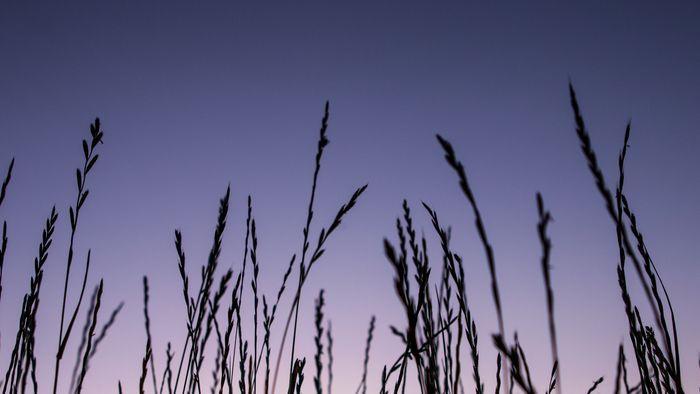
8,177
365,364
553,378
595,385
22,358
544,219
168,373
498,374
147,325
318,341
3,242
144,368
233,307
256,300
296,378
329,341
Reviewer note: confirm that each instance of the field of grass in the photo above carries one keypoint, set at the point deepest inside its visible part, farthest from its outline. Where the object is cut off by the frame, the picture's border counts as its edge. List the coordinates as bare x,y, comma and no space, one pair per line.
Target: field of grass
439,326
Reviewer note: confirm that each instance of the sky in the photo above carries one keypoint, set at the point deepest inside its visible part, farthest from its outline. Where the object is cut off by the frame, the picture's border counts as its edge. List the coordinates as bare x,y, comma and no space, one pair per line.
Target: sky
194,97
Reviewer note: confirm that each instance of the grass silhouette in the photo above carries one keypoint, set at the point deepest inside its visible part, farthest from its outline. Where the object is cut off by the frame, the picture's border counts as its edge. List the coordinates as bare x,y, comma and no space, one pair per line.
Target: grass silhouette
437,311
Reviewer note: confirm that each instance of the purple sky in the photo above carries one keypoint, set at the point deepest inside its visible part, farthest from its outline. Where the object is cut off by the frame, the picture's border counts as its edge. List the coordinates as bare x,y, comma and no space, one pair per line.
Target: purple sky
194,97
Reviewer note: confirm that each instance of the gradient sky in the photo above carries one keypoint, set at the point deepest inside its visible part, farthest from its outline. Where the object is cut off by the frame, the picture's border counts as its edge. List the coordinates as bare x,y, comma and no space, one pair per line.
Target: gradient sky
194,96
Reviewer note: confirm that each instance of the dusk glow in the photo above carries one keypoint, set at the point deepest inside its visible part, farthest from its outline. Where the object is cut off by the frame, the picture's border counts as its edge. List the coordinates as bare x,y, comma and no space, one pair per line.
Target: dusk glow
193,97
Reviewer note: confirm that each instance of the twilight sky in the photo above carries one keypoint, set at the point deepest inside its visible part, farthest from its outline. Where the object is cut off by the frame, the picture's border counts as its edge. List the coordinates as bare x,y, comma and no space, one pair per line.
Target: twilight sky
193,97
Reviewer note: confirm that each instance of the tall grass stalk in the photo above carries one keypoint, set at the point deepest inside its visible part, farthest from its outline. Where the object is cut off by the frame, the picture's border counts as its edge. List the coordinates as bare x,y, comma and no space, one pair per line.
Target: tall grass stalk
545,218
90,158
318,251
457,166
663,358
